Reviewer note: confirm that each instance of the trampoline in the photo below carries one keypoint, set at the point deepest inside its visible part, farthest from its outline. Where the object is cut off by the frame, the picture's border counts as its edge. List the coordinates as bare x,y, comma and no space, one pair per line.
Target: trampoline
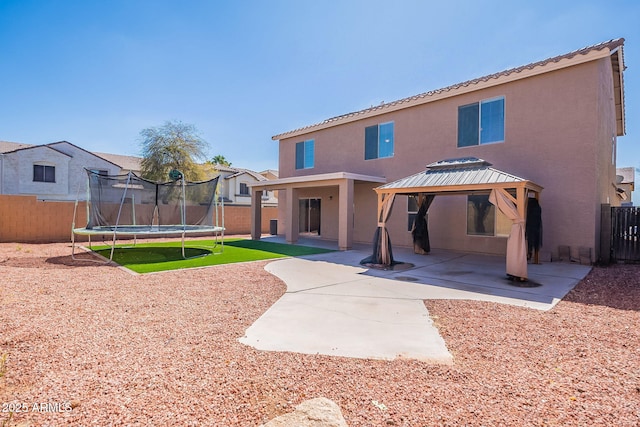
131,206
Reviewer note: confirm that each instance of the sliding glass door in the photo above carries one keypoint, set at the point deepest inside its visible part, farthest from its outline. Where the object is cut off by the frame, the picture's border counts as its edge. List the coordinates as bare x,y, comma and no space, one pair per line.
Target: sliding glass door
309,216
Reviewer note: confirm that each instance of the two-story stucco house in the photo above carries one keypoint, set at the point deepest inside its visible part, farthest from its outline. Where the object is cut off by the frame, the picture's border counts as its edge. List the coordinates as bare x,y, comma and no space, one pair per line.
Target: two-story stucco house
554,123
236,183
50,171
56,171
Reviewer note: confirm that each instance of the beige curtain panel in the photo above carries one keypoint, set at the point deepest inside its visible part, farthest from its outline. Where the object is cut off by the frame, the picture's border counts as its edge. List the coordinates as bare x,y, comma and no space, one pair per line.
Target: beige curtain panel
385,253
516,242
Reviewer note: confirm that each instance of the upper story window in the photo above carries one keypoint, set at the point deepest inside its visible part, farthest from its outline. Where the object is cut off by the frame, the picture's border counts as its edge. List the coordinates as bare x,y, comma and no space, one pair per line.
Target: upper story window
244,189
378,141
43,173
305,154
481,122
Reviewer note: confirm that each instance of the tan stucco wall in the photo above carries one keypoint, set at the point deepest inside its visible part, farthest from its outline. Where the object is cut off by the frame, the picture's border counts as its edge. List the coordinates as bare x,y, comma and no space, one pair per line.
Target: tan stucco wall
366,204
558,130
607,141
26,219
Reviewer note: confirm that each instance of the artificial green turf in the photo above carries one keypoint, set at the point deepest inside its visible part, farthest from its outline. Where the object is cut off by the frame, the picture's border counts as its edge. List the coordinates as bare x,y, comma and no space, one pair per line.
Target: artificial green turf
163,256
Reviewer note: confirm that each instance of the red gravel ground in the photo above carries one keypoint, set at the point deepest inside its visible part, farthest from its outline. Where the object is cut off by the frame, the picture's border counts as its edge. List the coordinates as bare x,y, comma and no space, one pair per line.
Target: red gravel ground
89,344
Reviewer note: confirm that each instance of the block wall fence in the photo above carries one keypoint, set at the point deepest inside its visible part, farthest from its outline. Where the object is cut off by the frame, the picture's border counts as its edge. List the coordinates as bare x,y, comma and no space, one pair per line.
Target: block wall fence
26,219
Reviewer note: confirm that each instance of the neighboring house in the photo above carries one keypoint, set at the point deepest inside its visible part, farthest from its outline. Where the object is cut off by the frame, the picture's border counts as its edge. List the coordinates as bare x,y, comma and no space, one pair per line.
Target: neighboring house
236,184
6,146
55,172
626,184
269,174
127,163
50,172
554,123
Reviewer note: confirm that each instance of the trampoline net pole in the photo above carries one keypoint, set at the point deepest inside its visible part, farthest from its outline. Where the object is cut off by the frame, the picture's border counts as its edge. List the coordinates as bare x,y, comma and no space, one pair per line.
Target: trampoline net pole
183,214
183,211
133,216
115,228
222,232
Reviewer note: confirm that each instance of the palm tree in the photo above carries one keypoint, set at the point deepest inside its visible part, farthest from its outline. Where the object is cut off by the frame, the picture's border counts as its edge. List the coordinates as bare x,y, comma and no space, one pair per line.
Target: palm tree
219,159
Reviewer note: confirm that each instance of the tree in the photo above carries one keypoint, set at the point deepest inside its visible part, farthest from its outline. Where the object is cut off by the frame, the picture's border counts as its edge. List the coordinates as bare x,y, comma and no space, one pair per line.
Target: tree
219,159
174,145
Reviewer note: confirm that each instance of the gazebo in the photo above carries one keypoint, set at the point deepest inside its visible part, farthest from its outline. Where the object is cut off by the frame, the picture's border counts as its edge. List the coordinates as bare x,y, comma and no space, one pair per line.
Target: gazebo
462,176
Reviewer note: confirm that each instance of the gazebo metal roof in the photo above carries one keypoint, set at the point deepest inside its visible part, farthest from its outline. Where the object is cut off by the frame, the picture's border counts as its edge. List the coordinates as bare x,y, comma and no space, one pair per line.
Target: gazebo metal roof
459,175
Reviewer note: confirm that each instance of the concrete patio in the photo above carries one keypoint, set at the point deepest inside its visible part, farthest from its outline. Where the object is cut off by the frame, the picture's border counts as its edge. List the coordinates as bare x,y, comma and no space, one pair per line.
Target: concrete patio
335,306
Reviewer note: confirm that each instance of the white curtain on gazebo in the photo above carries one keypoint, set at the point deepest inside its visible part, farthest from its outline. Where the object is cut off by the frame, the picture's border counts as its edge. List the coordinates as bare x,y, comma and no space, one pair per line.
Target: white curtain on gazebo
516,243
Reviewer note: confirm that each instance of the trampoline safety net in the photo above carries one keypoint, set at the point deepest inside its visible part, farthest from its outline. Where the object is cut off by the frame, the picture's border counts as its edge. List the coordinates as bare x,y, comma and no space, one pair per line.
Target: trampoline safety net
116,201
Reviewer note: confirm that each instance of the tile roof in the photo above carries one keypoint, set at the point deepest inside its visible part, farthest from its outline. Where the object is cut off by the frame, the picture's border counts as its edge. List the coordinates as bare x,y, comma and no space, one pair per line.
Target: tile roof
131,163
611,45
273,172
124,162
11,147
254,174
223,168
627,175
119,160
6,146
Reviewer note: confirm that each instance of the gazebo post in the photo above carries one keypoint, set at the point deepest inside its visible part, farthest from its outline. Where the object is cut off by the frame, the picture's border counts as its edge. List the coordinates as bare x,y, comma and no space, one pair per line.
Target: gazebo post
536,252
522,202
536,195
379,214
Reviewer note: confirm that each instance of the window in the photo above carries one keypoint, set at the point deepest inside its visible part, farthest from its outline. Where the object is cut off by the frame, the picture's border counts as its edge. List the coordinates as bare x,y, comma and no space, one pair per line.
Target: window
42,173
482,219
378,141
244,189
412,211
481,122
305,154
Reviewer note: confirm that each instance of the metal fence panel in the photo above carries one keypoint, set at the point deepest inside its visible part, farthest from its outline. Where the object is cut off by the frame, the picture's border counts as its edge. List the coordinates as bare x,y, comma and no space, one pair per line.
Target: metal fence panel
625,234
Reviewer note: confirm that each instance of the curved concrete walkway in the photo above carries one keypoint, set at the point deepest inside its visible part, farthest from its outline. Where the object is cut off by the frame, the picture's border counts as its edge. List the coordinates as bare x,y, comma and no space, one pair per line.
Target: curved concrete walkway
334,306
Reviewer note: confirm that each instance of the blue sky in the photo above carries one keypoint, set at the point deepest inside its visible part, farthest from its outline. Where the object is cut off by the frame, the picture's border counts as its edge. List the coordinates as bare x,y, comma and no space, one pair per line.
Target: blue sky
95,73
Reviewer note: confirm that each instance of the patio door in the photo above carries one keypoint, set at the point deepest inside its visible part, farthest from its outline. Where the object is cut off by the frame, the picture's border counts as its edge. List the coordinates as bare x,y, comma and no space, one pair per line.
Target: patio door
309,216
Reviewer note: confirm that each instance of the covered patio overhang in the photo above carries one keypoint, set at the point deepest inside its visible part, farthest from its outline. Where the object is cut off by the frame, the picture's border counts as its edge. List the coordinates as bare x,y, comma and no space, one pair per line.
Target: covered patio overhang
344,181
463,176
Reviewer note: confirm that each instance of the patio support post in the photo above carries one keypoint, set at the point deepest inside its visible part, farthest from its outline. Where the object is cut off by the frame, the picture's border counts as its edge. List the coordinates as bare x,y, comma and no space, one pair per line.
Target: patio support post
256,214
345,214
292,226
